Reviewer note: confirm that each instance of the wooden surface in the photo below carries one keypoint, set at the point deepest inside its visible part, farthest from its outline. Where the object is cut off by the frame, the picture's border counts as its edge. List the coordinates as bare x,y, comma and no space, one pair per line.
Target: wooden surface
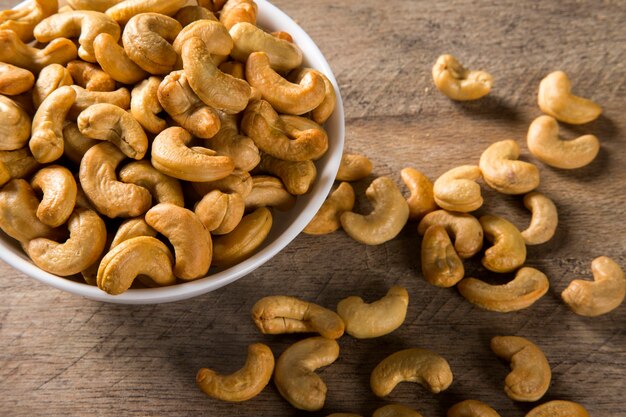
61,355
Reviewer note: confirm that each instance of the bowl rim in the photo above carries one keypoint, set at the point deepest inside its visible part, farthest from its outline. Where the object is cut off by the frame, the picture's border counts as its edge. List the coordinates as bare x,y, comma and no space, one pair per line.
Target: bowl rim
267,16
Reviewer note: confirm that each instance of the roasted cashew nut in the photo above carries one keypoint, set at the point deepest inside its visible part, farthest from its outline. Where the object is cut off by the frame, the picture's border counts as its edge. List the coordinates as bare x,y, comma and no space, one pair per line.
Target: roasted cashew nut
600,296
244,384
139,256
509,248
131,228
88,236
558,408
90,76
59,194
229,142
395,410
464,228
556,99
504,173
124,11
528,286
214,35
283,95
23,19
115,62
15,52
190,14
16,164
353,167
248,38
220,212
268,191
411,365
471,408
327,218
441,265
85,99
109,196
366,321
15,80
422,199
280,314
385,221
459,83
171,156
144,105
46,142
295,376
530,371
457,190
544,219
322,112
50,78
191,241
15,125
298,177
164,189
544,143
238,181
84,24
75,144
237,11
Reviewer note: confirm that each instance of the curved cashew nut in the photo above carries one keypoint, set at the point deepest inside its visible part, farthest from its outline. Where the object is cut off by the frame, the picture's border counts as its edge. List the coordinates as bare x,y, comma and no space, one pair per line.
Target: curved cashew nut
441,265
284,96
471,408
236,11
509,248
88,236
75,144
144,105
171,156
298,177
50,78
544,219
556,99
84,24
215,88
190,14
214,35
14,125
15,80
99,182
115,62
327,218
90,76
229,142
14,51
97,5
142,255
46,142
412,365
385,221
238,181
457,190
544,143
131,228
322,112
191,241
459,83
422,199
244,384
395,410
272,134
366,321
248,38
59,194
502,172
530,371
295,376
528,286
17,164
23,19
465,228
268,191
124,11
85,99
601,296
220,212
164,189
280,314
353,167
558,408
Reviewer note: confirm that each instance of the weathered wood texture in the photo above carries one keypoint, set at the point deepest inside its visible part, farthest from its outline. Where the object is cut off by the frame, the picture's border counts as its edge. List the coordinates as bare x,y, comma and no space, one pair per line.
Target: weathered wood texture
61,355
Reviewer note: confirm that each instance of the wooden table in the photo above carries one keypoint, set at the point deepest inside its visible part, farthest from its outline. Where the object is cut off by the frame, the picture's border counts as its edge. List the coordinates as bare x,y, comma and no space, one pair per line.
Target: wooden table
61,355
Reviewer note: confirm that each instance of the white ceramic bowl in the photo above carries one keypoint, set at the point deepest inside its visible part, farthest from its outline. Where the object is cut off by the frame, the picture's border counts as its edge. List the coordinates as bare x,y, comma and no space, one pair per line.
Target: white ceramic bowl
286,225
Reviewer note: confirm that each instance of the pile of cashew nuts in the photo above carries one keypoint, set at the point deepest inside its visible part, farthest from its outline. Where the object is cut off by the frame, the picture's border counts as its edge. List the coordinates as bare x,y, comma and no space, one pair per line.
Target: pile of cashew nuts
147,140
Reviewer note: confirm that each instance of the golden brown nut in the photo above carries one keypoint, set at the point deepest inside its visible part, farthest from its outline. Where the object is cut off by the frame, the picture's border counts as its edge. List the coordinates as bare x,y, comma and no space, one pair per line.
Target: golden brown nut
544,219
509,248
248,38
229,142
58,186
15,80
395,410
190,14
16,164
164,189
124,11
144,105
422,200
471,408
14,51
327,218
75,144
131,228
322,112
85,99
236,11
115,62
15,125
50,78
298,177
558,408
220,212
353,167
441,265
464,228
459,83
504,173
268,191
23,18
214,35
90,76
457,190
556,98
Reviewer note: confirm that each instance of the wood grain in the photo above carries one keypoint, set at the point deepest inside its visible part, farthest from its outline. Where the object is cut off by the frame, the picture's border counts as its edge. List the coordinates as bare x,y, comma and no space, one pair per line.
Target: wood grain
61,355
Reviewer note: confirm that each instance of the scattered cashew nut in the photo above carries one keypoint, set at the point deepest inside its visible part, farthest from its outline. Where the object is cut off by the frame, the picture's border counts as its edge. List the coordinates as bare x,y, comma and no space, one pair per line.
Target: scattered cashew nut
422,200
114,61
457,190
544,219
465,228
471,408
441,265
459,83
248,38
509,248
556,99
504,173
327,218
558,408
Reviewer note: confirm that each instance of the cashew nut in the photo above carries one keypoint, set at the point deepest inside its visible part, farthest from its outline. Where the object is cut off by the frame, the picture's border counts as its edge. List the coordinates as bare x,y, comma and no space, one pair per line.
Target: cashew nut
284,96
244,384
366,321
190,14
16,164
23,19
353,167
295,376
327,218
164,189
115,62
268,191
14,51
236,11
600,296
50,78
97,5
411,365
472,408
238,181
502,172
59,194
558,408
322,112
220,212
99,182
544,219
280,314
84,24
556,99
528,286
459,83
215,88
464,228
15,80
248,38
75,144
131,228
229,142
422,200
14,125
441,265
171,156
144,105
88,236
298,177
46,142
214,35
124,11
139,256
530,371
90,76
85,99
395,410
544,143
191,241
457,190
385,221
509,248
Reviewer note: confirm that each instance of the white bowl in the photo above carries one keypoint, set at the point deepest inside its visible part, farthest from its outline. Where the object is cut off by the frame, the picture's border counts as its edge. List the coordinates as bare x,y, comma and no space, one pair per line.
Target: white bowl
286,225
